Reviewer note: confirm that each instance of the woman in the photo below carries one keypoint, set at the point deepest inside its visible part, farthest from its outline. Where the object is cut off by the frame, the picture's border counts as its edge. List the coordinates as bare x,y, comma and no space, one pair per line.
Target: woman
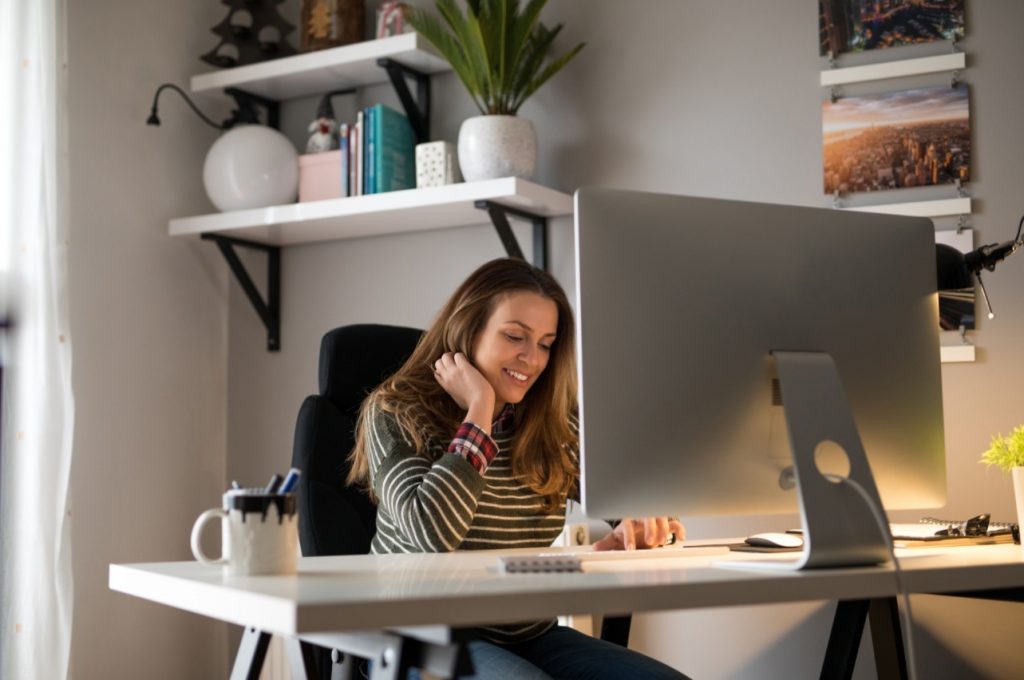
472,444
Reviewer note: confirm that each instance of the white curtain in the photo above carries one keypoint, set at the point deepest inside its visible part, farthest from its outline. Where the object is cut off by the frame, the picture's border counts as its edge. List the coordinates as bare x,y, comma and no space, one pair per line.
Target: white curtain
38,410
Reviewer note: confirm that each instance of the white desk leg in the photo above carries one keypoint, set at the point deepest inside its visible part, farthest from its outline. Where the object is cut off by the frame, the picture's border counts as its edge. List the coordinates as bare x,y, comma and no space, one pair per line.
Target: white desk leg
251,653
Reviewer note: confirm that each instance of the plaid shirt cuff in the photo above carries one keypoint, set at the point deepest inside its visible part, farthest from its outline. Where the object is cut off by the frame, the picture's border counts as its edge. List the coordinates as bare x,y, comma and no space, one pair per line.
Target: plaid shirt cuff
475,445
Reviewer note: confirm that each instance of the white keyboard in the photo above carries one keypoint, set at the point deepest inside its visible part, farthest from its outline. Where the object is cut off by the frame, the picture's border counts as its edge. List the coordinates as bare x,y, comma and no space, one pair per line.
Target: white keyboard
553,562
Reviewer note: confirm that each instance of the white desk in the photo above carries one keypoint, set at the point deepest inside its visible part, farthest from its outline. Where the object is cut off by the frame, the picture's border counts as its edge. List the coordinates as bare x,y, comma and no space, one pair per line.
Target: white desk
395,592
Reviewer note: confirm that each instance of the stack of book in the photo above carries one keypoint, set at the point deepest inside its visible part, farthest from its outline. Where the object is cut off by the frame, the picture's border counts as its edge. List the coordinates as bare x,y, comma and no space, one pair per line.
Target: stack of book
378,152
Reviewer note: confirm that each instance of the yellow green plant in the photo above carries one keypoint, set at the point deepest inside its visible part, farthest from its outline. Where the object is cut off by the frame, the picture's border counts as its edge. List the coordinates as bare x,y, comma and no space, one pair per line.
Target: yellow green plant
1006,452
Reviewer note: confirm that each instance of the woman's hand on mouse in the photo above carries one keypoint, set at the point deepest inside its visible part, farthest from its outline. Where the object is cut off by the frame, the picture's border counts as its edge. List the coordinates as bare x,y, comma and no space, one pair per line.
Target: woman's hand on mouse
648,532
466,385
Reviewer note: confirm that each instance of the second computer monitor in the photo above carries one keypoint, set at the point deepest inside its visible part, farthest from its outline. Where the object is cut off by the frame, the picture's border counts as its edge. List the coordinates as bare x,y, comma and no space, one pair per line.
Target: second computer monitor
681,302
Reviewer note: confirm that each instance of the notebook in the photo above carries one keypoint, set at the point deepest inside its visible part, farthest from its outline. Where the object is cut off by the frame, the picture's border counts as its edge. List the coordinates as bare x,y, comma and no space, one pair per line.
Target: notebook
554,562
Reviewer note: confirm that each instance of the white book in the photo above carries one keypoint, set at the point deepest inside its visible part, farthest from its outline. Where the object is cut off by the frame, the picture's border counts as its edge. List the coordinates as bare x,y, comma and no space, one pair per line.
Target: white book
360,131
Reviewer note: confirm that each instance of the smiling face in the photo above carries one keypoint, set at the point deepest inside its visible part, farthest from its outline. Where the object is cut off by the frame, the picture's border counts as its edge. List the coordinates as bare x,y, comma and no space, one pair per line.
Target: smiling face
514,347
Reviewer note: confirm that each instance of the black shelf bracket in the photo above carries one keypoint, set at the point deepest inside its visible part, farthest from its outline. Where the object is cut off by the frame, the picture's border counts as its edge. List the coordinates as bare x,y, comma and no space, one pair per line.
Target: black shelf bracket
499,216
246,111
269,310
416,110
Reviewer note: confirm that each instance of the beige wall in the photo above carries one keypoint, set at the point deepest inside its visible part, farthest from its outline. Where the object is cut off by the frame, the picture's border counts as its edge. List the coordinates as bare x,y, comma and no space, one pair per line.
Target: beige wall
149,329
715,99
705,98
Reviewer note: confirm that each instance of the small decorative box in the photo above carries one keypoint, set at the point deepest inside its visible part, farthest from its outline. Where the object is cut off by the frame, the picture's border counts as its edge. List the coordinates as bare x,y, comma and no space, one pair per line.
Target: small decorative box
436,165
319,176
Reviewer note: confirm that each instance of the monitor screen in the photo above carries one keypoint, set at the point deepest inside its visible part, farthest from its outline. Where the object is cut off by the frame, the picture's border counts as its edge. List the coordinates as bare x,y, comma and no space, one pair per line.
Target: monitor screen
681,302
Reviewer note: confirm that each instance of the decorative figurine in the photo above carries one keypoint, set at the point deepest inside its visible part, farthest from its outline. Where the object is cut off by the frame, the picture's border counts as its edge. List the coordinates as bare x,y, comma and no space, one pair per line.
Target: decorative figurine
391,19
253,31
323,137
329,23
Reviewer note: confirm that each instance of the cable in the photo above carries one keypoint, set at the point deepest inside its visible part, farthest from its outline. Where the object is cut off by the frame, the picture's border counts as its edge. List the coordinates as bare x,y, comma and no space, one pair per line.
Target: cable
906,616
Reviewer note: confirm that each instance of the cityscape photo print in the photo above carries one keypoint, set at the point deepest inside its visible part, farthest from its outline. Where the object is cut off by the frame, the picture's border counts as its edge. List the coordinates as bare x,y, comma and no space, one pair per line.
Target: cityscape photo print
894,140
858,25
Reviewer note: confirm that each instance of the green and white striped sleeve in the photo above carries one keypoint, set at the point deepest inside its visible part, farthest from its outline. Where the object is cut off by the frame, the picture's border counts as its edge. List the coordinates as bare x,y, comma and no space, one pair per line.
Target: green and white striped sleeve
425,505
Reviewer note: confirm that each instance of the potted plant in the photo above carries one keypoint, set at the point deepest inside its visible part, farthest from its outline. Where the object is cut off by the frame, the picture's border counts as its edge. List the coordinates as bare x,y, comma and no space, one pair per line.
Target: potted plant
1007,453
502,54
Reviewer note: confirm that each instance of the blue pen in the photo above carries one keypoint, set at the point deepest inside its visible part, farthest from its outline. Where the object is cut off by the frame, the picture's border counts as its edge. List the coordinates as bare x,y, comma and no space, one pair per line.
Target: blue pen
290,480
272,484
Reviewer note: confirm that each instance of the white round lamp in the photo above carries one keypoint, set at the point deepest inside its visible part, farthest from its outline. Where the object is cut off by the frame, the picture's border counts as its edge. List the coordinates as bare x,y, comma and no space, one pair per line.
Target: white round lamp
251,166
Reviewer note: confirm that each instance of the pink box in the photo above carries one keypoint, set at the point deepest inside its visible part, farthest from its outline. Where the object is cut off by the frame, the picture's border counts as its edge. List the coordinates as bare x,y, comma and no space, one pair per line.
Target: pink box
319,176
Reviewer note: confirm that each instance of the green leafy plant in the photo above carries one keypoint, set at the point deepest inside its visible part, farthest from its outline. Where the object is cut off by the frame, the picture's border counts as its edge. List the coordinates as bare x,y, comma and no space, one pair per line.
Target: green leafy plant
1006,452
499,52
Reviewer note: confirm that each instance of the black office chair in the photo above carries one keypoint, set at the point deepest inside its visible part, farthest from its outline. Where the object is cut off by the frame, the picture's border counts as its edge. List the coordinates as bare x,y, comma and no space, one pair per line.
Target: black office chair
336,519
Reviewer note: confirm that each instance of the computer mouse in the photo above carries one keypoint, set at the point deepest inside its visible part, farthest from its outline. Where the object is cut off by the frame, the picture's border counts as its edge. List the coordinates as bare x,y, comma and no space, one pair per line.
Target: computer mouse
775,539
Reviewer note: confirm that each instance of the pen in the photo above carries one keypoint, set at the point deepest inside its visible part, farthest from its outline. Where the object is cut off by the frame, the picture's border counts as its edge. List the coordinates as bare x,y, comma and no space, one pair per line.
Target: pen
290,480
272,484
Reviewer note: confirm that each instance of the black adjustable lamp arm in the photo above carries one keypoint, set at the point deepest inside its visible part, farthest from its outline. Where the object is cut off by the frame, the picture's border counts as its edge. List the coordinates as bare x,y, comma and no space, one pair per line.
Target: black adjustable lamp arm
245,113
955,269
989,255
155,120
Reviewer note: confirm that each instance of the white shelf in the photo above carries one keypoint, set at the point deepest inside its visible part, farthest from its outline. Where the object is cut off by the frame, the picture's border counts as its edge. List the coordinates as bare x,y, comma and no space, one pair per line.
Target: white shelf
953,354
324,70
395,212
939,208
894,69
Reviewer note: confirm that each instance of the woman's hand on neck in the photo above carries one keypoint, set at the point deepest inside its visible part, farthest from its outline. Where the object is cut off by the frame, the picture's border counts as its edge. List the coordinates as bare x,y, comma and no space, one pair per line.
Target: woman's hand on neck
468,387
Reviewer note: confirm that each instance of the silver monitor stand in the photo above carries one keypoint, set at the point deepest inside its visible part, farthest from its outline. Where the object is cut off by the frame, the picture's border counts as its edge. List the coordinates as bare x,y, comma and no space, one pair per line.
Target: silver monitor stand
841,528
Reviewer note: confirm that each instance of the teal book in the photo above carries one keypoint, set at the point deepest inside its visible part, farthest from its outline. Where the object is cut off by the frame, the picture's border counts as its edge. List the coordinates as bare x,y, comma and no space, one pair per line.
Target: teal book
394,151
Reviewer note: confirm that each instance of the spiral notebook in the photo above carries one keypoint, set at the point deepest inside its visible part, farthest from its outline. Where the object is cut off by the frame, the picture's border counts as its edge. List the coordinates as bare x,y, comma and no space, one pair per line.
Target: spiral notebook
934,531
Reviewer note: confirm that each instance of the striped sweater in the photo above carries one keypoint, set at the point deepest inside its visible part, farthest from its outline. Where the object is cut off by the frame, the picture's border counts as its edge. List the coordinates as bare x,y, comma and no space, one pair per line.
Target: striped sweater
447,504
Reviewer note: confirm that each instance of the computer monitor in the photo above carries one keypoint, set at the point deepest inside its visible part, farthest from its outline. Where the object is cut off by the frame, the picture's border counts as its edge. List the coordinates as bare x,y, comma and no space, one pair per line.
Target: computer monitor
682,306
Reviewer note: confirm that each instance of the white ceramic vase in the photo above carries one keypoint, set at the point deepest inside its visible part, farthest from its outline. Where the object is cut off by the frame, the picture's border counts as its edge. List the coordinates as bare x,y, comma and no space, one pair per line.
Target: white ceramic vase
497,146
1018,493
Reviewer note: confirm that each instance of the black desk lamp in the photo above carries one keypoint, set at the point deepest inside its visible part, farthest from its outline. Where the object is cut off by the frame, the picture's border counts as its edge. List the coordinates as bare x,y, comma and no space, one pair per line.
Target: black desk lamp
955,269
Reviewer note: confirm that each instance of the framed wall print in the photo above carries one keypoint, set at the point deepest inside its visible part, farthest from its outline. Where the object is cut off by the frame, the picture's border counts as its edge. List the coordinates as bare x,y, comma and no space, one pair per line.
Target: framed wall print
859,25
909,138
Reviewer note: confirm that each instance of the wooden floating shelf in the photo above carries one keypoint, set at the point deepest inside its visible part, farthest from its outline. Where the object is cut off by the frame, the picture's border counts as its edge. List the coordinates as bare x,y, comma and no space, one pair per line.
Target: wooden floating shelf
394,212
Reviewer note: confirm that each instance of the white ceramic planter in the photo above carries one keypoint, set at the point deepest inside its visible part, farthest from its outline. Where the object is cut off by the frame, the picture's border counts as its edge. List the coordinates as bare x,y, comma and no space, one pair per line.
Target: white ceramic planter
497,146
1018,493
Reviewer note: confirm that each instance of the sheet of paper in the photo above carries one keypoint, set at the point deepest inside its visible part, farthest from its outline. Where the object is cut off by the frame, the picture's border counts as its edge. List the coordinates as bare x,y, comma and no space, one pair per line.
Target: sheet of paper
914,529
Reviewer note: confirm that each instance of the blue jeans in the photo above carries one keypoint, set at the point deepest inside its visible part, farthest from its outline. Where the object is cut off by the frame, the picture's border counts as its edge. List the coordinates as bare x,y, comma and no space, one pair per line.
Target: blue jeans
561,653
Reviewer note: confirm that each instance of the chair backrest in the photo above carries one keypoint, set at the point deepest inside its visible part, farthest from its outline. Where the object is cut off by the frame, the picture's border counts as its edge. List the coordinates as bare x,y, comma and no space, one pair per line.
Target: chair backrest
335,519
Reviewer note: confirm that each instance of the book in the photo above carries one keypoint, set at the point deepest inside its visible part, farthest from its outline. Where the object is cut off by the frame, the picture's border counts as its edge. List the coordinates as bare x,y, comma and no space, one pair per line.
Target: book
369,118
343,141
394,150
359,143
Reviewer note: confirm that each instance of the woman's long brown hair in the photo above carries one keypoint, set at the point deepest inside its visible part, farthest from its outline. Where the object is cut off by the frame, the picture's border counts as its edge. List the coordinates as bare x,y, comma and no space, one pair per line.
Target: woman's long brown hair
542,455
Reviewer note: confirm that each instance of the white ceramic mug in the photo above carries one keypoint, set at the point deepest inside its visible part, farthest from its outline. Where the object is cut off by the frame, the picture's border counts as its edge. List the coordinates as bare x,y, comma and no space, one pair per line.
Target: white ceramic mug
258,534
